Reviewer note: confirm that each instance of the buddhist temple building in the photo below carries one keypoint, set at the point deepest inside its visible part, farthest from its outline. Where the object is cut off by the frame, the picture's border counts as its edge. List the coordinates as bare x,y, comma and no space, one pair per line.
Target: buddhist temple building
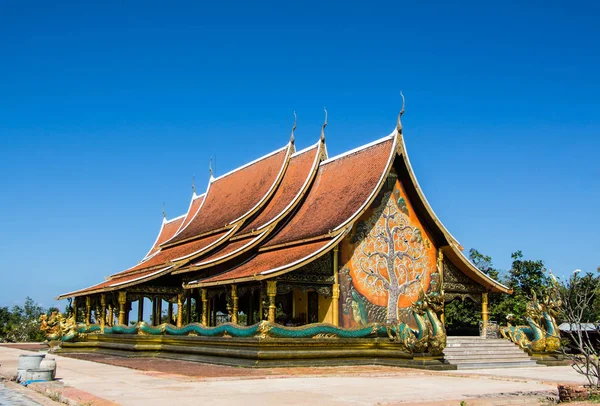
337,255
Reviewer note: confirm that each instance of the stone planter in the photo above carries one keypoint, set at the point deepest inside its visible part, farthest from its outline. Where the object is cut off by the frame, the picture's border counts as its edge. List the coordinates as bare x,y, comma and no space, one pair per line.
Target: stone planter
49,363
38,374
28,362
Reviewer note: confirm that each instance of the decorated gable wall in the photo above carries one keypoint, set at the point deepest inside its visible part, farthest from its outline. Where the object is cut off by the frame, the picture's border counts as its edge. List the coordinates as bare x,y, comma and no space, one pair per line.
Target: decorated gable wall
387,262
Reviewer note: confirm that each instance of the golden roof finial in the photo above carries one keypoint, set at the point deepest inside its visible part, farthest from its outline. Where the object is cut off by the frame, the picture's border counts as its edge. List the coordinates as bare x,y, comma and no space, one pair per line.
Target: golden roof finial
324,125
399,123
193,185
292,139
163,210
210,170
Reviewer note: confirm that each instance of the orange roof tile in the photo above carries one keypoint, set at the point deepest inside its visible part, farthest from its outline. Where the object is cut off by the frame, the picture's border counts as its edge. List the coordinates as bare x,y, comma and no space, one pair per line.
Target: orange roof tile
177,252
236,194
294,182
195,205
342,188
230,250
167,230
265,263
117,282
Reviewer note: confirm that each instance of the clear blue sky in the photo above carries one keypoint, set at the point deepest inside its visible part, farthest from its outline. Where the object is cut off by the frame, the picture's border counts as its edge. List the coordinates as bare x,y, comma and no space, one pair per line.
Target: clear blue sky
106,112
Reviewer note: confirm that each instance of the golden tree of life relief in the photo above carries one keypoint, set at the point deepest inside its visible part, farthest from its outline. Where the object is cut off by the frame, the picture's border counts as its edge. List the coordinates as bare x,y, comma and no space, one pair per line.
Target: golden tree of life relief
393,261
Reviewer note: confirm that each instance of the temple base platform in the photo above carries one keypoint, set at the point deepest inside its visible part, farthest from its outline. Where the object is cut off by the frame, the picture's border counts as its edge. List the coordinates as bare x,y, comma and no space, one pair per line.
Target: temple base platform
550,359
258,352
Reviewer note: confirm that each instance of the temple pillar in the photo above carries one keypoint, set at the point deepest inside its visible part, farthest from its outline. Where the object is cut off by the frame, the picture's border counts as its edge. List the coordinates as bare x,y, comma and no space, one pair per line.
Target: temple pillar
122,298
484,312
154,310
335,289
440,265
204,293
158,311
170,313
140,309
251,309
74,307
271,293
102,315
179,309
88,309
199,306
188,307
234,299
260,305
111,316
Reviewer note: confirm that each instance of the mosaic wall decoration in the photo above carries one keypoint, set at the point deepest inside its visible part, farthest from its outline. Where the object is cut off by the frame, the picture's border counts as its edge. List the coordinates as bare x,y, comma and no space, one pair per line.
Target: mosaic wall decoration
387,261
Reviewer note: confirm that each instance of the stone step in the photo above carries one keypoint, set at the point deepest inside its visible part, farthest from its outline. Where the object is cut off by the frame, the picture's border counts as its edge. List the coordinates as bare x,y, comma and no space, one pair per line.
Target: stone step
464,342
480,351
477,352
461,360
483,354
494,365
459,347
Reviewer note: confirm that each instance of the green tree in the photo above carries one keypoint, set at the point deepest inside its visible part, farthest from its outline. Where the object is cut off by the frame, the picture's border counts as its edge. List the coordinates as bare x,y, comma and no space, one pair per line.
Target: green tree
524,276
21,323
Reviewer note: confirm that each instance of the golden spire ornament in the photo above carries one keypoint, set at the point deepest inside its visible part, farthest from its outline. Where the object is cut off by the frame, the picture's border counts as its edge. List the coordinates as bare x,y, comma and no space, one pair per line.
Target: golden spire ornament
324,125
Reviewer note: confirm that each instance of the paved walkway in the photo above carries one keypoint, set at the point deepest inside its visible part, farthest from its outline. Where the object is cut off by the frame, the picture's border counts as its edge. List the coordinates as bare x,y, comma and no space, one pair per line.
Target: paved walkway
104,384
12,397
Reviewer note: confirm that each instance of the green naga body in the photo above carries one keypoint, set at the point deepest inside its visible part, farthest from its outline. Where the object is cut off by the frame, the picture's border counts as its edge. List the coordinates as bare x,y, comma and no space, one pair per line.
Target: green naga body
263,329
541,334
430,334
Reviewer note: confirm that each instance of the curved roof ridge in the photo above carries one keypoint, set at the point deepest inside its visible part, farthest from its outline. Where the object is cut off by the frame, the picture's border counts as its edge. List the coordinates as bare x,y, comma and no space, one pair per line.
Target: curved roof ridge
303,150
302,190
413,178
265,229
273,187
154,246
209,246
358,149
184,224
336,239
276,163
371,197
323,247
166,221
288,145
478,273
107,285
72,293
195,252
317,216
225,257
453,243
140,277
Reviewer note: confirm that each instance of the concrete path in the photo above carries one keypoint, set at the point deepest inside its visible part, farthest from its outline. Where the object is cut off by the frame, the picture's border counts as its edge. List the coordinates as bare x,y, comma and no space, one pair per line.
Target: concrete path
564,374
104,384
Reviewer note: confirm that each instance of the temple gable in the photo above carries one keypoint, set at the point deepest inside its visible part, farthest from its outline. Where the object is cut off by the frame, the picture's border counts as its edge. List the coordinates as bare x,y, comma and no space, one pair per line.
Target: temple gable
388,261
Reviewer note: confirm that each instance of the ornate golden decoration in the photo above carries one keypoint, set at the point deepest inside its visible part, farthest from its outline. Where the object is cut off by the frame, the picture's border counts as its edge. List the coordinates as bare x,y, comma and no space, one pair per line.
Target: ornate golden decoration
541,334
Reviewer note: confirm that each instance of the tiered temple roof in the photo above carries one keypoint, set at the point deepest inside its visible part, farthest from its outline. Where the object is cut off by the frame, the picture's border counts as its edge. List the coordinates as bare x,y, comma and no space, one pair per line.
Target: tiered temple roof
278,213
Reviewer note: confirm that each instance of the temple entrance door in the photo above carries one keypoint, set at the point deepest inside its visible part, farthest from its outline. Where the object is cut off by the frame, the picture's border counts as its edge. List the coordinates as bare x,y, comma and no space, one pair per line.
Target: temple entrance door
313,307
462,315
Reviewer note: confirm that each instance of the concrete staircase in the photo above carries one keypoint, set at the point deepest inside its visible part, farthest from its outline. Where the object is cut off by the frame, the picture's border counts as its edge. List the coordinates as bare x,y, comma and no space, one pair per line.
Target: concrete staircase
476,353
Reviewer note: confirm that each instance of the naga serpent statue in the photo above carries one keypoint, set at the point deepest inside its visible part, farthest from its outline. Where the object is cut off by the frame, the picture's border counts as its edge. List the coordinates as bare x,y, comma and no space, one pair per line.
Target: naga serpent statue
541,334
430,334
58,328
